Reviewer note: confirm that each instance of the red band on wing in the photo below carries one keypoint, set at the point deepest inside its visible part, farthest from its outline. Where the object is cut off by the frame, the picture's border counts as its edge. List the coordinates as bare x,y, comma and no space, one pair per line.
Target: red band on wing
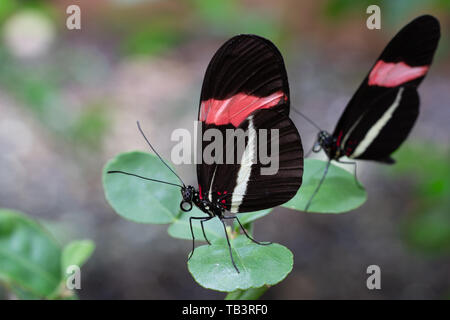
236,109
338,142
200,192
389,74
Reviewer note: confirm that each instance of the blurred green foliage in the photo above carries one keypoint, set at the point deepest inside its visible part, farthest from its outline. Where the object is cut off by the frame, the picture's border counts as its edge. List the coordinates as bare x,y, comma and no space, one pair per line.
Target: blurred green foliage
427,228
32,263
91,126
152,35
6,8
9,7
40,87
154,39
34,85
231,17
167,30
394,10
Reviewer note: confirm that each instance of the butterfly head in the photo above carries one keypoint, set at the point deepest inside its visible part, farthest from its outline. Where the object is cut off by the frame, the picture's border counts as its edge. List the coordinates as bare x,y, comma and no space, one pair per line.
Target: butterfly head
188,196
324,141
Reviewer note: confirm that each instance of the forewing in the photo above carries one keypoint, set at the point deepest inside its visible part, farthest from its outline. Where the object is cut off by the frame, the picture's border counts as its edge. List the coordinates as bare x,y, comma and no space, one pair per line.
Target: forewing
245,75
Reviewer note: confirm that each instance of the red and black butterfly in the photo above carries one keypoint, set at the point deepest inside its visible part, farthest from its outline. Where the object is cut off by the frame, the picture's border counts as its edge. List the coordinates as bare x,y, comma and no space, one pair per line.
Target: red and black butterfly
245,88
383,110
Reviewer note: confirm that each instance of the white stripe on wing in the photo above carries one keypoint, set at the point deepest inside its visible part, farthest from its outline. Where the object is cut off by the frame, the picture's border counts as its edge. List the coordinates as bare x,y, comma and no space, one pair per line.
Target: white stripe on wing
245,170
375,130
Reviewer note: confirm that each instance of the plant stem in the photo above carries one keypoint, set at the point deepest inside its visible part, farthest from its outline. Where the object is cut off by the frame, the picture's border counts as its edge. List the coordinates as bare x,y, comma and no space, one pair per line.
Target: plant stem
249,294
234,295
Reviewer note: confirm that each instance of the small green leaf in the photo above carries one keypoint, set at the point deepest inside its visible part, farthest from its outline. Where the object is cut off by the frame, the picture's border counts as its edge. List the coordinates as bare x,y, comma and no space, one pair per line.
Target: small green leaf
137,199
259,265
29,256
180,227
76,253
338,193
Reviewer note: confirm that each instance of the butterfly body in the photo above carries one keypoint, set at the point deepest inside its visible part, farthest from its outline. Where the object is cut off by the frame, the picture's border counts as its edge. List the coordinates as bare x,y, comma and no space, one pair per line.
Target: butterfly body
327,143
192,196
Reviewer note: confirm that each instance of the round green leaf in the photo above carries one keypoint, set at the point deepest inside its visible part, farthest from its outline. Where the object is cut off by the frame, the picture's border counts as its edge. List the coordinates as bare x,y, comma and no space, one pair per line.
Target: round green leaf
339,192
76,253
29,256
259,265
180,227
140,200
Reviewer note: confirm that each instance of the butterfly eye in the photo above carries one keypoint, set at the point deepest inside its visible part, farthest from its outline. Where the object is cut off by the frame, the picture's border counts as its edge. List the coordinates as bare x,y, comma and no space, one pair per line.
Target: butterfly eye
186,206
317,147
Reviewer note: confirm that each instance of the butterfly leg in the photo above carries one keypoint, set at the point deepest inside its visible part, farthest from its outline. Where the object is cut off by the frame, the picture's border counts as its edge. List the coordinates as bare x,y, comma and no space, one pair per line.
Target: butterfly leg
203,229
192,233
318,186
245,232
354,172
229,245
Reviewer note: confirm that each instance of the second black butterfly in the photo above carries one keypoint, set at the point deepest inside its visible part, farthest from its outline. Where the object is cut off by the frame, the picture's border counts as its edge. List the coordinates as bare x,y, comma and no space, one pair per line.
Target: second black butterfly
383,110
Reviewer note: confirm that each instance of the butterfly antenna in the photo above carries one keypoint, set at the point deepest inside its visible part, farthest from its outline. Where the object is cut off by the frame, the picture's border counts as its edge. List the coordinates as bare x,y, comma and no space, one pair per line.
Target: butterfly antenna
148,142
307,119
145,178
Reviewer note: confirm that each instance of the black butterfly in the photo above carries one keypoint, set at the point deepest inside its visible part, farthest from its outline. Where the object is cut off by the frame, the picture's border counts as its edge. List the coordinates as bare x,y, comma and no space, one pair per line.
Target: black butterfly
383,110
245,87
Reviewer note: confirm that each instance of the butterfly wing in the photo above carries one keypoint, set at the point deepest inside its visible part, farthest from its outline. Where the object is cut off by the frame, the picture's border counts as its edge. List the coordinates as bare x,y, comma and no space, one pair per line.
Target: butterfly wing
383,110
246,89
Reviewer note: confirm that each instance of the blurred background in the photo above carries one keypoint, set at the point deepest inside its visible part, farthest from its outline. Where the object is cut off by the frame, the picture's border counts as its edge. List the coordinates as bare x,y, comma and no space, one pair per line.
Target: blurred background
69,100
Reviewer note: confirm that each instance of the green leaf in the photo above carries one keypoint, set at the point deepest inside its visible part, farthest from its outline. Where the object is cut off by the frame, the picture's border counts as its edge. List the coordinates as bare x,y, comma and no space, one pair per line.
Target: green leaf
248,217
180,227
76,253
29,256
140,200
259,265
338,193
